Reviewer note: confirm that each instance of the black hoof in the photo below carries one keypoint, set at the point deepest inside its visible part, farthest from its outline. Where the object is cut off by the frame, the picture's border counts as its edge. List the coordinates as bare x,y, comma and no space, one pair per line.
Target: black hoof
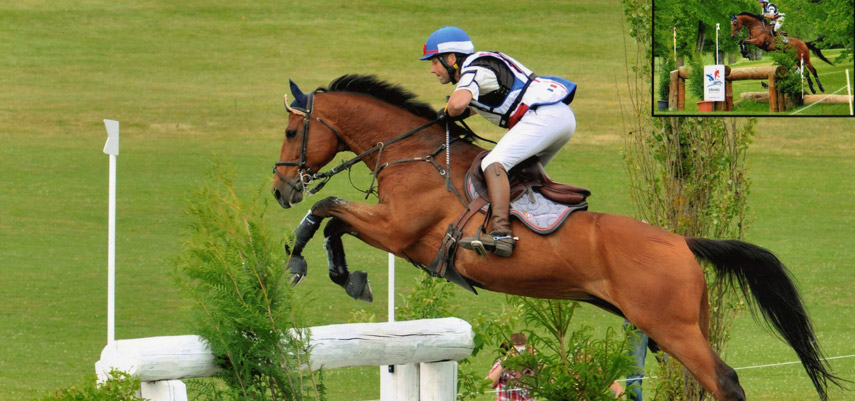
358,287
298,268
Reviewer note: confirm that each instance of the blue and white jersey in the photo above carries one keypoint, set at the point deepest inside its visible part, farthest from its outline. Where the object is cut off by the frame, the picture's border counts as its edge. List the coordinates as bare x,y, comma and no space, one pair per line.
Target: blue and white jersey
770,11
503,89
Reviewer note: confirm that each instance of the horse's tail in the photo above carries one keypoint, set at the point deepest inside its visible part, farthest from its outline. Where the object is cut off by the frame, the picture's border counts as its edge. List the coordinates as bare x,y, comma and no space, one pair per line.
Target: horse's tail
774,294
816,51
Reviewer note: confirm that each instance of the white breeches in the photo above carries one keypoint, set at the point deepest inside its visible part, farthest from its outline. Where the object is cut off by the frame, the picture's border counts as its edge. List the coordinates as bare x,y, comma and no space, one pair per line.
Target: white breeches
541,132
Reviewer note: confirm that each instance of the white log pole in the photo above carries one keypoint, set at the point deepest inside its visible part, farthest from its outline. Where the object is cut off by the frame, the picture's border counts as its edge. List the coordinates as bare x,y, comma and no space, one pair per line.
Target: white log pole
334,346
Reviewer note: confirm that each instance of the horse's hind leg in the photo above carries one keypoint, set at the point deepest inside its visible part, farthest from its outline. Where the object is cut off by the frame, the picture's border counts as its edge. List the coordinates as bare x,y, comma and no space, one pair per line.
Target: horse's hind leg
356,283
815,75
692,349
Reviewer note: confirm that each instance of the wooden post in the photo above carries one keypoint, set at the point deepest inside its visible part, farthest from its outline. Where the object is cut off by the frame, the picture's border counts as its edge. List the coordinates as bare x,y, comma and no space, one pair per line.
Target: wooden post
672,90
773,94
728,94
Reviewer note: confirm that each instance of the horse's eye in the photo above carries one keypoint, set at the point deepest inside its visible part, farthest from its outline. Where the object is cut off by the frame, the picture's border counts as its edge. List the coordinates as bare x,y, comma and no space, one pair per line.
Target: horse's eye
291,133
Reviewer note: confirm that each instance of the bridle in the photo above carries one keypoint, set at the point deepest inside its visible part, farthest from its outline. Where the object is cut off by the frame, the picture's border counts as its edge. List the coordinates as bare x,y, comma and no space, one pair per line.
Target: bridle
308,176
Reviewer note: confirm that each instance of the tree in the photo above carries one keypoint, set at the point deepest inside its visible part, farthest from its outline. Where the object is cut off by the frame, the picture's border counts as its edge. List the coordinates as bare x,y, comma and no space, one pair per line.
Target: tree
695,22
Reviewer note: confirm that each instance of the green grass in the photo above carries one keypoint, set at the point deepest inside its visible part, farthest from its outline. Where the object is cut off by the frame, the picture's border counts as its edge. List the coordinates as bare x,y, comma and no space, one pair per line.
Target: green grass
195,81
833,80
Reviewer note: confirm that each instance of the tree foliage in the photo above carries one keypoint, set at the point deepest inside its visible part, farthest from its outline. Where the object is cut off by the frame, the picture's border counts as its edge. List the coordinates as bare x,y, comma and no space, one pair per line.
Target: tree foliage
688,176
694,19
232,272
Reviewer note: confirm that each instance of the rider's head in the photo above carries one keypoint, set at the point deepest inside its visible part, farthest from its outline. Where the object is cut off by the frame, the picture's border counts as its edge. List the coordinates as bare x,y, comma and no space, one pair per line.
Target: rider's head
446,49
764,2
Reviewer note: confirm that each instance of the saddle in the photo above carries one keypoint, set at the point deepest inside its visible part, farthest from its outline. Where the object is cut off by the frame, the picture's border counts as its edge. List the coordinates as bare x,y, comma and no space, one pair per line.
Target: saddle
547,205
526,177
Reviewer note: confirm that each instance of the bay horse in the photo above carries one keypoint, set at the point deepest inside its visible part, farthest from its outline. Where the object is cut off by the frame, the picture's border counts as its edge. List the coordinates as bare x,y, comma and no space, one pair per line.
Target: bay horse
759,34
633,269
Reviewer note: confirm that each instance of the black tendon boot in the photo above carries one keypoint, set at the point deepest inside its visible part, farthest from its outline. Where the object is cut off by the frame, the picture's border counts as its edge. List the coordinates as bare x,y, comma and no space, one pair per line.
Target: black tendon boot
501,238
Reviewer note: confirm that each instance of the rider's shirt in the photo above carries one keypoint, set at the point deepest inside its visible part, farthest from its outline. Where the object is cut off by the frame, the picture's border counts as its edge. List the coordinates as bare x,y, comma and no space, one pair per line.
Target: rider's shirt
771,11
503,89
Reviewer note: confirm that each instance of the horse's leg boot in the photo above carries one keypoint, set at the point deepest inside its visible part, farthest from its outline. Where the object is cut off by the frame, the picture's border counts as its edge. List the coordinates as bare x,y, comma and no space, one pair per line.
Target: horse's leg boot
501,238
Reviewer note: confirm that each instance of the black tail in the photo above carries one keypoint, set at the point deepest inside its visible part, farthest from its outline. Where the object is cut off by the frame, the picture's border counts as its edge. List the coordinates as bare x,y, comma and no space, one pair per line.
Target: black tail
818,52
772,292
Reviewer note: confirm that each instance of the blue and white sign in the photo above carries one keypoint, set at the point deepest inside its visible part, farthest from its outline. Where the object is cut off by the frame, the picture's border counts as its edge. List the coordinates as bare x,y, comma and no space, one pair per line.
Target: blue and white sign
714,83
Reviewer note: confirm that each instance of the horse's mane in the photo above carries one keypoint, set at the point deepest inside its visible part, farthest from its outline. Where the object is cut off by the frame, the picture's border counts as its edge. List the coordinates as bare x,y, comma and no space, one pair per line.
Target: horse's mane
390,93
756,16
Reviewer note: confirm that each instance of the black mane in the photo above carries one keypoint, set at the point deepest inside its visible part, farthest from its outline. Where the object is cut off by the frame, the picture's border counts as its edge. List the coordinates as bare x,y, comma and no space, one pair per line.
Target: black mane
756,16
390,93
395,95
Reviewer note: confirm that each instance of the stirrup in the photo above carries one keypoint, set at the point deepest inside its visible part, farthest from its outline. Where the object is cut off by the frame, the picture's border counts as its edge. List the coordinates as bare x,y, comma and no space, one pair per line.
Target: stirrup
501,244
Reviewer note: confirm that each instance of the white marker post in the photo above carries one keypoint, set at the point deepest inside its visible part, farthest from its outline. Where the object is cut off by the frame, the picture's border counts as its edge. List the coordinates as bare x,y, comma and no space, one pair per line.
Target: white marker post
717,27
849,92
111,148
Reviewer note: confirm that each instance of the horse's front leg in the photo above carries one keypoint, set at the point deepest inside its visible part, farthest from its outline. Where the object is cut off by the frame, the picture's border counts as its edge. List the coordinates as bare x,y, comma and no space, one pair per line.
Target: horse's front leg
356,283
304,232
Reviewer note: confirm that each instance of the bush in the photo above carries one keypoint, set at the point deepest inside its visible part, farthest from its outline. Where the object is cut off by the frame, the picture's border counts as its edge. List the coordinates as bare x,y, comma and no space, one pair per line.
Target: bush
696,77
790,83
232,272
565,365
122,387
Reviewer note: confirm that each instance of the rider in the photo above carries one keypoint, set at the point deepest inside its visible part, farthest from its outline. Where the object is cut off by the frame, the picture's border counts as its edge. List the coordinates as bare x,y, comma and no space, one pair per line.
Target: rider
770,11
536,110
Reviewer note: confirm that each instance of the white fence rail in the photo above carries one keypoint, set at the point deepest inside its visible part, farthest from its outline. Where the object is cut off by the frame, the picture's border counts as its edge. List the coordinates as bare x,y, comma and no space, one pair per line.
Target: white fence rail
434,344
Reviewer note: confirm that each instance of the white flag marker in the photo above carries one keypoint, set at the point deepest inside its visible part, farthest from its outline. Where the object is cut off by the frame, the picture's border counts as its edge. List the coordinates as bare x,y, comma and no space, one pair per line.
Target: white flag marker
111,148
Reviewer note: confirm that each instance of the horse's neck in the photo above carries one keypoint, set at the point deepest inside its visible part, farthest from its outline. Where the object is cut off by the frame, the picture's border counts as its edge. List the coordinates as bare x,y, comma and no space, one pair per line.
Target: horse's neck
364,123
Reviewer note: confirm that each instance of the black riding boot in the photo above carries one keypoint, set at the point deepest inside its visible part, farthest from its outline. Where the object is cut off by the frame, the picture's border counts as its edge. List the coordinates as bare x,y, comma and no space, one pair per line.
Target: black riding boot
501,238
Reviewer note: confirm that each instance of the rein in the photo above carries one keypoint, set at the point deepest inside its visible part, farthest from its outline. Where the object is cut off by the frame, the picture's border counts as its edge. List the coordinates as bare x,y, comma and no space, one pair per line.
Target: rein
307,176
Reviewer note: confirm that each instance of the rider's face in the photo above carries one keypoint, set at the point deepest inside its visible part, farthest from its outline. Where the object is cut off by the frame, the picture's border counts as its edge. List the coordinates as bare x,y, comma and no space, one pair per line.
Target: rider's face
437,69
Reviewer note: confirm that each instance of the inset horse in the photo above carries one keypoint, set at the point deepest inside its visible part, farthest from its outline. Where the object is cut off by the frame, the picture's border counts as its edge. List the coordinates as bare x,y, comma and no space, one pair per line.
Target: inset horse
759,34
625,266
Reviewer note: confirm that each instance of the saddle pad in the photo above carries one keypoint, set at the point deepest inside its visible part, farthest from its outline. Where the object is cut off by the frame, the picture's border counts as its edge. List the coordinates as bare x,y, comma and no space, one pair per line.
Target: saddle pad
538,213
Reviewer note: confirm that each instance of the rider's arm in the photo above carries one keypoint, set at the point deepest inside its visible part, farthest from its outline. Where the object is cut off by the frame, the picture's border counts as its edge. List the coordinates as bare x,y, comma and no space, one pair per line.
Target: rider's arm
458,102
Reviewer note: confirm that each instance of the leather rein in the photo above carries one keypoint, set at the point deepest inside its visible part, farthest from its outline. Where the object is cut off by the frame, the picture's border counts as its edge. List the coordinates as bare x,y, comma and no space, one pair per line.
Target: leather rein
308,176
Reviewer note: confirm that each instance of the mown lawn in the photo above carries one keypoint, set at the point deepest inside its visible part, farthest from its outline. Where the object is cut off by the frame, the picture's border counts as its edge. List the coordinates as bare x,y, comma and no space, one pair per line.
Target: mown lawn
196,81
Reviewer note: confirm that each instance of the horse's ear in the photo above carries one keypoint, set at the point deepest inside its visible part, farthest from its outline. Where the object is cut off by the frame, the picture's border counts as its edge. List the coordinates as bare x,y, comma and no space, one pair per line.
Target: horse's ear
732,18
300,99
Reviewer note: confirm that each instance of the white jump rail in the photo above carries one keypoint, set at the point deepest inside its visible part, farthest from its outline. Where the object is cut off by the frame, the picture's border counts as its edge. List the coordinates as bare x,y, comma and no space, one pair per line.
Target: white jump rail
436,344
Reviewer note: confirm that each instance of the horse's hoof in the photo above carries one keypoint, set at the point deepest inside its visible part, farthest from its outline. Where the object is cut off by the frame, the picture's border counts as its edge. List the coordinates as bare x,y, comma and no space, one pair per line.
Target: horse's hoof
298,268
358,287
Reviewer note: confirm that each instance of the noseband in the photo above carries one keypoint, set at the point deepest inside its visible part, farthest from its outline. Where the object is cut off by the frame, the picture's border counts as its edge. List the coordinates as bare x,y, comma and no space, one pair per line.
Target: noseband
307,175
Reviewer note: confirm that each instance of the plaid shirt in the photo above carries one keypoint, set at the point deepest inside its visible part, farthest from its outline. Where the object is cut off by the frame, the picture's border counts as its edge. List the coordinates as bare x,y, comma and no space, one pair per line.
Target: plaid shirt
506,391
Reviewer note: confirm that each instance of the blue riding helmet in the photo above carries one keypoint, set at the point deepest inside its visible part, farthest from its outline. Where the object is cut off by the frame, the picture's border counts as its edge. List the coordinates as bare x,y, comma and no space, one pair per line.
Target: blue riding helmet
448,39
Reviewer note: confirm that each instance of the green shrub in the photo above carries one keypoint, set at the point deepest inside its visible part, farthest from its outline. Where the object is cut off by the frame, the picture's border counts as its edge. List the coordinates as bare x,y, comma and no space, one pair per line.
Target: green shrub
232,272
791,82
564,364
122,387
696,77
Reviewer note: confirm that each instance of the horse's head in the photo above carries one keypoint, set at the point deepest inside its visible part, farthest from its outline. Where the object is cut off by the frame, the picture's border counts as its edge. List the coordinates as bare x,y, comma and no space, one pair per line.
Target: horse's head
735,26
310,143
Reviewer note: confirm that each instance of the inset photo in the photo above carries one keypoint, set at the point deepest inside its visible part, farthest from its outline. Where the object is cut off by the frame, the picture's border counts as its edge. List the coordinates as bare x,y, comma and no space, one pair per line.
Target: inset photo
753,58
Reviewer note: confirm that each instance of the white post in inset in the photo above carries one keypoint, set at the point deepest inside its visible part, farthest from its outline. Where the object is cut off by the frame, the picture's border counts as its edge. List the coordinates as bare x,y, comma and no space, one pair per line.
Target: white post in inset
717,27
111,148
675,44
849,92
802,74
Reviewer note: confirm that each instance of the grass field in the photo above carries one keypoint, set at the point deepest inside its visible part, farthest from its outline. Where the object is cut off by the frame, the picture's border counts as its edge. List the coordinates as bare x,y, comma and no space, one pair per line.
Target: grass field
833,79
195,81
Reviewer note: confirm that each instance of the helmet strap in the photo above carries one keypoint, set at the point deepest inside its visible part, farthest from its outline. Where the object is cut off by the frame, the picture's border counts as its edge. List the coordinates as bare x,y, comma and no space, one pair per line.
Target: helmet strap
452,70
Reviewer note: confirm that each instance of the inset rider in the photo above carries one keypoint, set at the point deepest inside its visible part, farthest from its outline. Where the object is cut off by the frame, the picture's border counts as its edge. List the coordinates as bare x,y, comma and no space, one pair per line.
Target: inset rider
536,110
770,11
